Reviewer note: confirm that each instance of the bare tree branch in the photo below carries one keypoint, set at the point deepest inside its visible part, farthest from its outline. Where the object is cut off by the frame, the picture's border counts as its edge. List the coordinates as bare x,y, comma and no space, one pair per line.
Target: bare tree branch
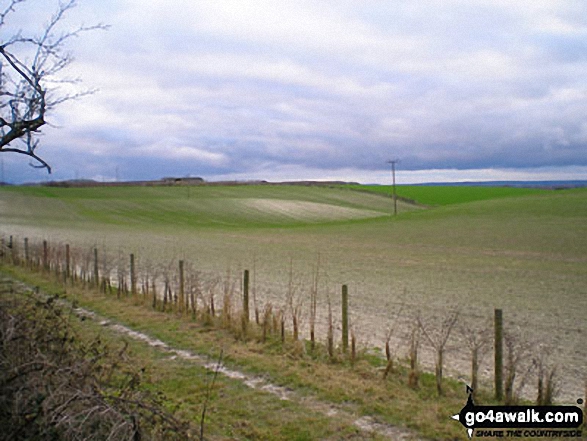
25,82
437,336
477,338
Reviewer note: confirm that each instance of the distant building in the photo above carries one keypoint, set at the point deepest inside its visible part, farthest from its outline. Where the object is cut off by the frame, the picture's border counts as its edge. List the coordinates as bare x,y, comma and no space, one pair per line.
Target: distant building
179,181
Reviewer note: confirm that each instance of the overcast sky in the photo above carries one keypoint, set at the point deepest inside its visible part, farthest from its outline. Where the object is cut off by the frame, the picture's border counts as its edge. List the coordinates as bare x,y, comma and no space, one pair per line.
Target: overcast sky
279,90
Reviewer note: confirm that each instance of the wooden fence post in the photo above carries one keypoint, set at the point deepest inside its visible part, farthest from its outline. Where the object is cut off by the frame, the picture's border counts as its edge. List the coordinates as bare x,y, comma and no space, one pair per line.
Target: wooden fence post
181,288
246,295
26,251
498,320
13,252
345,318
67,261
96,273
133,276
45,256
245,302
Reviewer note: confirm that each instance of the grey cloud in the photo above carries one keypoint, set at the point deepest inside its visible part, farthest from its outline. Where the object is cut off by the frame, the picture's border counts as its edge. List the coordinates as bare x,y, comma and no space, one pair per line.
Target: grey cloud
471,85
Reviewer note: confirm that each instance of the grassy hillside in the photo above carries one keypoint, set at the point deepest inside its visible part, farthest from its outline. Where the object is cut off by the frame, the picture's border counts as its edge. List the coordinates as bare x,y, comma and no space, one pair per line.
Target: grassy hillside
450,194
201,206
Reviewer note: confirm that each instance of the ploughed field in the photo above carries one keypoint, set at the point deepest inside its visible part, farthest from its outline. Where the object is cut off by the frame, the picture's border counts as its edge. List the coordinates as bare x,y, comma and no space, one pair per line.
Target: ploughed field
471,250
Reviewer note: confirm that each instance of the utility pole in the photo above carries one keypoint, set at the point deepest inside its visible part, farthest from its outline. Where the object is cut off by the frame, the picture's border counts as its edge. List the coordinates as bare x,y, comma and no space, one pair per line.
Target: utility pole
394,195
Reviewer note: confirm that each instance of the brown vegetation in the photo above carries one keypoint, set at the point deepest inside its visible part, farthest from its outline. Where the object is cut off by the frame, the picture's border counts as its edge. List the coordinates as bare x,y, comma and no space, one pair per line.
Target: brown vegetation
56,385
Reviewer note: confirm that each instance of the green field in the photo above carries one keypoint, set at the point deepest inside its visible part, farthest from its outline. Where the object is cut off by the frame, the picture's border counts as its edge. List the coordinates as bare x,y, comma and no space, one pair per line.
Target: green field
476,248
434,195
192,207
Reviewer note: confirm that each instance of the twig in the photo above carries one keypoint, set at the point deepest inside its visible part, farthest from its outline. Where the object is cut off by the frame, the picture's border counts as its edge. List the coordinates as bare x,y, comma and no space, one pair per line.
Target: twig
209,393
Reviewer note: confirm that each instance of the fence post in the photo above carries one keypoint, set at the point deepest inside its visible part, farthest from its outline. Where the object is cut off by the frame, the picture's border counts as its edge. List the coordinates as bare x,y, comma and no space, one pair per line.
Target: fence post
246,295
13,253
133,278
245,319
498,319
45,256
345,318
26,250
67,261
181,288
96,274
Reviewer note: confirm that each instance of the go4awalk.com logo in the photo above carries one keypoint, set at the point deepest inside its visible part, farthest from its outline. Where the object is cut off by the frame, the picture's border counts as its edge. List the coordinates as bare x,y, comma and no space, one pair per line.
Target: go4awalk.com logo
520,421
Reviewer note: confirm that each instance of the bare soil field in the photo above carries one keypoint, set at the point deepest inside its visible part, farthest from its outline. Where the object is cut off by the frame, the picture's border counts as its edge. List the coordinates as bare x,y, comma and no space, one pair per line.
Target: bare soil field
305,211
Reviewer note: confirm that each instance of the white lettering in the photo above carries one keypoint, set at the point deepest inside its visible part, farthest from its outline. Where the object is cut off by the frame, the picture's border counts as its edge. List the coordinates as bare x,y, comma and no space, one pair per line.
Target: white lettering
536,417
510,417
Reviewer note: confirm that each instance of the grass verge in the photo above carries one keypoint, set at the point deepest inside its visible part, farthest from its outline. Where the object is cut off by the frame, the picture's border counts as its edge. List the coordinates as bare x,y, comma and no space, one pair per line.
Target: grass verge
234,411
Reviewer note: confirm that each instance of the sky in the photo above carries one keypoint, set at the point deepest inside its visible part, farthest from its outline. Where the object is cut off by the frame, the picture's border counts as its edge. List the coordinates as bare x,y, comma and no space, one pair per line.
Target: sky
455,90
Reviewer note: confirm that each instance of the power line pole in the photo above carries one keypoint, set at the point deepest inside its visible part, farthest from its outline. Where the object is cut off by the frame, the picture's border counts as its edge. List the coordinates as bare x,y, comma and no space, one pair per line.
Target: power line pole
394,195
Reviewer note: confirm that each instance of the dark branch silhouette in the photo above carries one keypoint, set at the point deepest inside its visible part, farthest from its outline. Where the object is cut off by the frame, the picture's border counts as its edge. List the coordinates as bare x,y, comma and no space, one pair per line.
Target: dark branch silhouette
29,79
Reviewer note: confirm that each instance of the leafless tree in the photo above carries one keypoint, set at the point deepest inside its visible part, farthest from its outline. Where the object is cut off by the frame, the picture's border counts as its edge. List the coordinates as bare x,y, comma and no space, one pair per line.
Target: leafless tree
314,301
30,77
330,337
194,289
437,335
389,353
414,375
294,301
478,339
546,371
517,371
